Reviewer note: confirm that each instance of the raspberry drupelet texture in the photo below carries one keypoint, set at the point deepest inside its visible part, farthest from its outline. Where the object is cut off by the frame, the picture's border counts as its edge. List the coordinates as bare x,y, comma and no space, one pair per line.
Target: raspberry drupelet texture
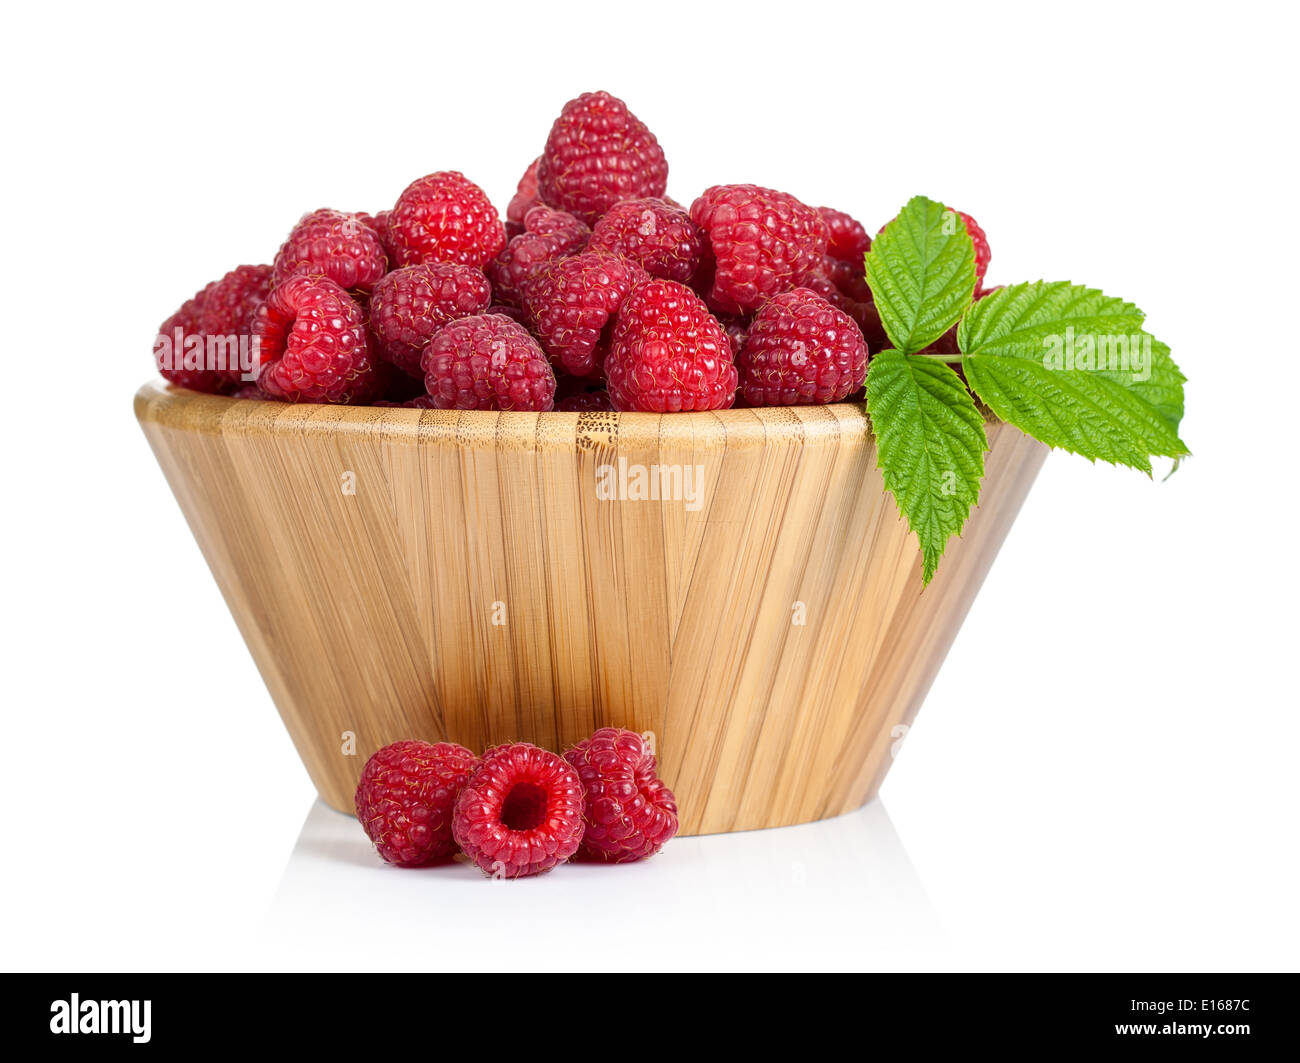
846,237
571,304
629,813
412,303
525,197
658,236
333,244
982,253
314,346
444,217
548,234
231,303
668,353
520,813
406,798
801,351
179,350
487,362
763,242
597,154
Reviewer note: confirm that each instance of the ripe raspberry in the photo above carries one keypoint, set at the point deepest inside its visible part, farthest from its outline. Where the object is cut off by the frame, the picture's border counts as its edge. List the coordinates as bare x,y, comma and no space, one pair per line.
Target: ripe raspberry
982,253
661,238
585,402
801,351
669,353
313,343
487,362
548,234
846,237
737,329
406,796
412,303
445,217
629,813
849,277
251,391
231,303
571,304
599,153
525,197
175,353
520,813
333,244
764,242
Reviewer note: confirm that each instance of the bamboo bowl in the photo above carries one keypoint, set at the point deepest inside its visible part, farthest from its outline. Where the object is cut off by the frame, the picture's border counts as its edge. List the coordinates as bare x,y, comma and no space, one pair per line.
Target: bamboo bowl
468,577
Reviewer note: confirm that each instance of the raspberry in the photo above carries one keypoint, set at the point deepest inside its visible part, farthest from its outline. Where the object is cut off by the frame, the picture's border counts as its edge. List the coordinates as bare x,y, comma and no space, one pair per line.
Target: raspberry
571,304
231,303
174,353
661,238
548,234
982,253
597,154
445,217
487,362
313,343
737,329
525,197
412,303
849,277
520,813
251,391
629,813
585,402
406,796
846,237
764,242
336,245
669,353
801,351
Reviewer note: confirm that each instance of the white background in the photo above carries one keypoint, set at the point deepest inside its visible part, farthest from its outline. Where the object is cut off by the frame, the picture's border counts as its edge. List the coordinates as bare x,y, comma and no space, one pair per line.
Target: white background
1104,775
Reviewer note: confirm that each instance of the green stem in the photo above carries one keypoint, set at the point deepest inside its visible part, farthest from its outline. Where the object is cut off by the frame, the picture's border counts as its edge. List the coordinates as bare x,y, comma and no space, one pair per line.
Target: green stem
951,359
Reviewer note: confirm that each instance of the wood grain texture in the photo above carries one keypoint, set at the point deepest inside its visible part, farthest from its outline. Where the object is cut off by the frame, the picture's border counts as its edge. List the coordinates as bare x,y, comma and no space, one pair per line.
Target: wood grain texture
380,612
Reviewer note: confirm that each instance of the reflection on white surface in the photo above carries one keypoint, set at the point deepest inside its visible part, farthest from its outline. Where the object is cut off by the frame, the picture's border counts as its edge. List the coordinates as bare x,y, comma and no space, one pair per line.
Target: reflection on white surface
840,893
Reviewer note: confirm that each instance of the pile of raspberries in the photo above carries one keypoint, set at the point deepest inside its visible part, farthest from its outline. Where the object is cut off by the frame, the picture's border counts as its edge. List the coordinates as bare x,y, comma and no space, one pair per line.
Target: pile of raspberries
597,292
517,810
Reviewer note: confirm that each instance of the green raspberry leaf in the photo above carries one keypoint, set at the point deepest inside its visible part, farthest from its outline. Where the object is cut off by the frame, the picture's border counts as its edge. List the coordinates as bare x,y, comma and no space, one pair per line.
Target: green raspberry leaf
930,442
1074,369
921,271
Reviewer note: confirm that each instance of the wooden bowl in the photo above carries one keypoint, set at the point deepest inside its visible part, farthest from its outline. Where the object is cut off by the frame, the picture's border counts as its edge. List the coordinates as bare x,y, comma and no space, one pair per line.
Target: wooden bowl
484,577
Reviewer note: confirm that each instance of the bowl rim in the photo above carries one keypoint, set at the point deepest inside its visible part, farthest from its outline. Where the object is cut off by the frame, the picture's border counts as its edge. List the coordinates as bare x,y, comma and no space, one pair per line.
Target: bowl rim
167,405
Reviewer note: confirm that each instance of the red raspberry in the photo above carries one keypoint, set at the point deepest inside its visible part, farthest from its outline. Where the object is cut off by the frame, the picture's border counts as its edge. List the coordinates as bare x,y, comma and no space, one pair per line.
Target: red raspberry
445,217
669,353
846,237
737,329
548,234
180,352
764,242
406,796
231,303
412,303
251,391
571,304
599,153
487,362
982,253
630,814
520,813
585,402
801,351
525,197
336,245
313,343
661,238
849,277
